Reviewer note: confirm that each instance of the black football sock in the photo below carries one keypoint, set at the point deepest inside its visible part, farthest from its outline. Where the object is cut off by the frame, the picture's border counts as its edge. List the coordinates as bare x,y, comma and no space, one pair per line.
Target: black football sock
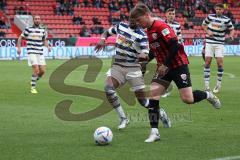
199,96
153,113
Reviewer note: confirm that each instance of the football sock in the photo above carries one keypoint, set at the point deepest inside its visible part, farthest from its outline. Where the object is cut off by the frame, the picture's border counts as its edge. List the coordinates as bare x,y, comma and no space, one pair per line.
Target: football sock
33,81
114,101
219,76
153,113
199,96
120,112
206,76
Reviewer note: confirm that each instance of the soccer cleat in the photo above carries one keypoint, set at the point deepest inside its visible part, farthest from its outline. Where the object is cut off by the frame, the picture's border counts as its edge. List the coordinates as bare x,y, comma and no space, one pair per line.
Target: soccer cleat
164,118
216,89
214,100
123,123
154,136
34,91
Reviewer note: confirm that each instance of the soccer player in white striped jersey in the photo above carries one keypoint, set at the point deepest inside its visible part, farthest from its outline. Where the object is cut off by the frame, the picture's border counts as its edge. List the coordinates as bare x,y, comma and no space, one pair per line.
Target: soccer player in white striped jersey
131,46
36,37
215,26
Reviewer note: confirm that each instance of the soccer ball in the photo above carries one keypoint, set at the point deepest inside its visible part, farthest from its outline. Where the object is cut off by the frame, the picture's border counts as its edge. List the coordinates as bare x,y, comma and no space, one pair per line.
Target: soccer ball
103,136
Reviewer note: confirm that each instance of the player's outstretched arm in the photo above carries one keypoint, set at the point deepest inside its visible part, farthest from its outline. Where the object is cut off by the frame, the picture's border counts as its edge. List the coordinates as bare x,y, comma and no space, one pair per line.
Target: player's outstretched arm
101,44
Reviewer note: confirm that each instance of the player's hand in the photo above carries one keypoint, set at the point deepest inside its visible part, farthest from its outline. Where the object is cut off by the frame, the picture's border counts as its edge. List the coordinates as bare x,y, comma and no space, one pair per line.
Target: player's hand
100,45
162,70
143,66
231,37
19,50
142,57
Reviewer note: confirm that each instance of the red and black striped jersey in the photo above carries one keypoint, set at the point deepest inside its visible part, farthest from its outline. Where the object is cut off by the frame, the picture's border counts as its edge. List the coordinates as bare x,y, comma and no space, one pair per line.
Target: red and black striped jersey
159,36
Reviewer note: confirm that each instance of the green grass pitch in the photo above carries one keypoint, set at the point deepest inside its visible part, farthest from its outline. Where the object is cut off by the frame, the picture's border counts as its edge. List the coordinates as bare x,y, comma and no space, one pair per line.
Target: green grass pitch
30,130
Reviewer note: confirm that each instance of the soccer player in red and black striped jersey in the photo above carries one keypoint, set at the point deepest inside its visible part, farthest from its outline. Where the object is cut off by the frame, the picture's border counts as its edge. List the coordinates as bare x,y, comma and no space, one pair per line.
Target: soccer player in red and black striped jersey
172,65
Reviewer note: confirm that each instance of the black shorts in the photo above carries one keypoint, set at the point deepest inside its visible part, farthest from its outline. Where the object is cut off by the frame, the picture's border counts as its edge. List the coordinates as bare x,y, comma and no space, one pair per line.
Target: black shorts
180,76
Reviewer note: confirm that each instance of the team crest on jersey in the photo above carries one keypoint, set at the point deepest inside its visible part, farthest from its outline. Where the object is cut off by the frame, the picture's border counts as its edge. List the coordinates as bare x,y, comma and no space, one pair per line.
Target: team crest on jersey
184,77
165,31
154,36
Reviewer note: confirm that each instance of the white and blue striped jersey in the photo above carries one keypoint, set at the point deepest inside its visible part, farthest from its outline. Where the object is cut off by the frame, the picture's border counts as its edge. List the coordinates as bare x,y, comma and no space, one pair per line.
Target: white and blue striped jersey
177,29
218,25
129,43
35,37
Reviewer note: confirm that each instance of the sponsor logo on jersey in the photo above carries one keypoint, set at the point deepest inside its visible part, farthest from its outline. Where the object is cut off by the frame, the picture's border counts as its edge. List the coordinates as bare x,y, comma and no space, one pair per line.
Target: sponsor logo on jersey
165,32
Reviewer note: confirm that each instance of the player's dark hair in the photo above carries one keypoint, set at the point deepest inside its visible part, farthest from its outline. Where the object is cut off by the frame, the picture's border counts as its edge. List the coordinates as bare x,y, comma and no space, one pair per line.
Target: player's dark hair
132,24
171,9
220,5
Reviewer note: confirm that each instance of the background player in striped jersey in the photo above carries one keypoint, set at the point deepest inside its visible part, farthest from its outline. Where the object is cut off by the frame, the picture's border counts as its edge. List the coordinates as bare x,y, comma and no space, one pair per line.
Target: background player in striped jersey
36,37
170,20
131,45
172,65
216,26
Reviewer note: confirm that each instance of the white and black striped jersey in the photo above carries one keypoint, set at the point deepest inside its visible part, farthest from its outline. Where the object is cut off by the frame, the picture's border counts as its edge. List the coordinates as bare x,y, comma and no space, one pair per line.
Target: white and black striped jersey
35,37
177,29
218,25
129,43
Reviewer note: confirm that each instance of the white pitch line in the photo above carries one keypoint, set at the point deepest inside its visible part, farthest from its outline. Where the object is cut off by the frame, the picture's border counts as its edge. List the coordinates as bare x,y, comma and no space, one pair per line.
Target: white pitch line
228,158
230,75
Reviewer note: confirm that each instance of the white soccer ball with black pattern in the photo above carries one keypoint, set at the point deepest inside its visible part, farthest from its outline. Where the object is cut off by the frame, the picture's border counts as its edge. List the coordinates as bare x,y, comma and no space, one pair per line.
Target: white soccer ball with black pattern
103,136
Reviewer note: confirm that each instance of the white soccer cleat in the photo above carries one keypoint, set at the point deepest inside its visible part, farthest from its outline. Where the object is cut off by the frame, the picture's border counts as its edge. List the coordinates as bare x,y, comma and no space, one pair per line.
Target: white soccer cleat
154,136
123,123
164,118
216,89
214,100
